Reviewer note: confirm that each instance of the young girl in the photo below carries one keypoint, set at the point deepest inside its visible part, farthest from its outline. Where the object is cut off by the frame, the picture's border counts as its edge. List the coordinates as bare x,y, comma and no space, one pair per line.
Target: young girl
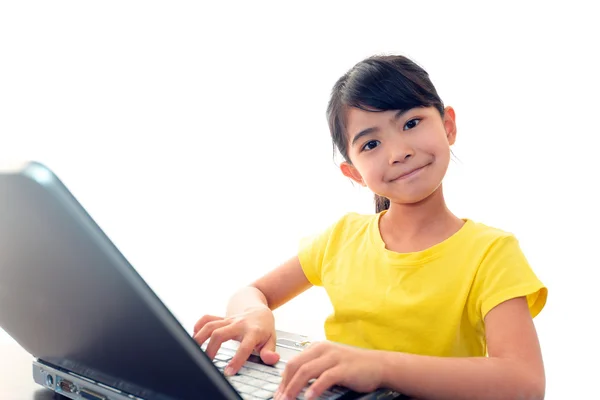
425,303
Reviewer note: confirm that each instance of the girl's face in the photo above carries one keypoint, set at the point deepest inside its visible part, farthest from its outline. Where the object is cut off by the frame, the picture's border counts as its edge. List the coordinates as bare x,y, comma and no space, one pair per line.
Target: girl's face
401,155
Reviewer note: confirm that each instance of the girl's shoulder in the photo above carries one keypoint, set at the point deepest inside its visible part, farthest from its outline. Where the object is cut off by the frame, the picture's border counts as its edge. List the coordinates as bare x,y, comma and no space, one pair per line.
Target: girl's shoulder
486,232
354,222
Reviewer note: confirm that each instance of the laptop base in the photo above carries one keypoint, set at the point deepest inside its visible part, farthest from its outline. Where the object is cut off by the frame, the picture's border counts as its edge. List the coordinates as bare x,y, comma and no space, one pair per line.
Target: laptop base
73,386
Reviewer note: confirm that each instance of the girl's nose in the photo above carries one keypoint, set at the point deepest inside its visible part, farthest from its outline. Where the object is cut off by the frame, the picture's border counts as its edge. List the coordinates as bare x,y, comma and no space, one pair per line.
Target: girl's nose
401,153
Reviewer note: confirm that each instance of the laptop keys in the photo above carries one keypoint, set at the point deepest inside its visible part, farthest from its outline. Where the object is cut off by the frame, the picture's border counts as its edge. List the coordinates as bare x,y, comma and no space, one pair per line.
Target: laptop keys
259,381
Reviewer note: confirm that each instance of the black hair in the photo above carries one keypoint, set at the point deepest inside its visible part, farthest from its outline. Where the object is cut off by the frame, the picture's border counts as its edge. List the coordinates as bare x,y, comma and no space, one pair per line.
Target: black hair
379,83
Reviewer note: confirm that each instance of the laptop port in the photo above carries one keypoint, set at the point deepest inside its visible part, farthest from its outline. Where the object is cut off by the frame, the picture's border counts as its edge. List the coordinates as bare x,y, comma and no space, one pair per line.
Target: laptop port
88,394
65,385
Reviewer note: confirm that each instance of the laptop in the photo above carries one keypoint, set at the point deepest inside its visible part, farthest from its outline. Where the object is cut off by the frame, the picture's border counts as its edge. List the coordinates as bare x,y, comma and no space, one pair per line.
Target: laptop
94,328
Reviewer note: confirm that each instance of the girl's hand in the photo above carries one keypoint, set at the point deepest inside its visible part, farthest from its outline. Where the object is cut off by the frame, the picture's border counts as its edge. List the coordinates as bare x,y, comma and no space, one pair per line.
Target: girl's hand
330,364
254,329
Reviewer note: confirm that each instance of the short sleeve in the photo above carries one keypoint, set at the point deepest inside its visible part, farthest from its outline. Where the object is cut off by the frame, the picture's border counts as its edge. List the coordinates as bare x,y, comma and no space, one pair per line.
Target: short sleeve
505,274
311,254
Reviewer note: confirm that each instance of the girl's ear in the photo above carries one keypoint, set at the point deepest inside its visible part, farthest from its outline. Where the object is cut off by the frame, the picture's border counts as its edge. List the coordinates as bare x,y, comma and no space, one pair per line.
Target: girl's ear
349,171
450,124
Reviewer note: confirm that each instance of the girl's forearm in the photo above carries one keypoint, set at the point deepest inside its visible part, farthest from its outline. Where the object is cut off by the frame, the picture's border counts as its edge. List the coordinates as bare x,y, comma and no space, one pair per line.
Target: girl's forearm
480,378
244,299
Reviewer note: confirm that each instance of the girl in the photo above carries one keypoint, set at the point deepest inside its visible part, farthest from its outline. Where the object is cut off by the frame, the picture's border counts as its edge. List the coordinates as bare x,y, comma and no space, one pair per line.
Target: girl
425,303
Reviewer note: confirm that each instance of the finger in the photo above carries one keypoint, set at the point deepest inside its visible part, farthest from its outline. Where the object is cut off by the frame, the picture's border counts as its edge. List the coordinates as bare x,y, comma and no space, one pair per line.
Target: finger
304,374
268,352
220,335
326,380
242,354
311,353
203,321
207,330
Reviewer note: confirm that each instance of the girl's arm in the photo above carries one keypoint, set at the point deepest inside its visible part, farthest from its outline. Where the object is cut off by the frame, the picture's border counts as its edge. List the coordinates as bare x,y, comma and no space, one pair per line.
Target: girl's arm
513,370
272,290
251,319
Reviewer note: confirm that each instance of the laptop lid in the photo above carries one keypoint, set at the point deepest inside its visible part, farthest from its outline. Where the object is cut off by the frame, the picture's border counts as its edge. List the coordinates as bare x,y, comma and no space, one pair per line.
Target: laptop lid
71,299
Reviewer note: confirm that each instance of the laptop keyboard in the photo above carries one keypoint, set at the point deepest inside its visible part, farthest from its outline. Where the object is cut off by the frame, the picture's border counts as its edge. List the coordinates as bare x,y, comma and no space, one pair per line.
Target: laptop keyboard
255,380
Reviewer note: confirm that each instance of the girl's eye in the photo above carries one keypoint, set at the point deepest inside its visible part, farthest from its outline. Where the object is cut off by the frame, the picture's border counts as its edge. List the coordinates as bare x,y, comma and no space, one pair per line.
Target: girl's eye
370,145
411,123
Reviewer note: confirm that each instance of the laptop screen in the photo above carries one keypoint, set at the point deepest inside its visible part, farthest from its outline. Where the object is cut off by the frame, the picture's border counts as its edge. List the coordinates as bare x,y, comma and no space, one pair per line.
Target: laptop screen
70,298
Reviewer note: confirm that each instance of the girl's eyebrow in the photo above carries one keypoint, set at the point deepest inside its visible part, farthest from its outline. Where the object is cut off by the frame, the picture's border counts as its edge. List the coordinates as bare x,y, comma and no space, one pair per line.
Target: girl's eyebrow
363,133
374,129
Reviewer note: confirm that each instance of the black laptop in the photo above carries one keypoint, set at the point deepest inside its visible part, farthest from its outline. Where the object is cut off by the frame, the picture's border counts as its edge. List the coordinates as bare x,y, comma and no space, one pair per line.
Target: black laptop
95,329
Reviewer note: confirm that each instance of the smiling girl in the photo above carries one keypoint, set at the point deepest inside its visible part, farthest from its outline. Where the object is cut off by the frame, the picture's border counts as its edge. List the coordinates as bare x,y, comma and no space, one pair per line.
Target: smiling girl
425,303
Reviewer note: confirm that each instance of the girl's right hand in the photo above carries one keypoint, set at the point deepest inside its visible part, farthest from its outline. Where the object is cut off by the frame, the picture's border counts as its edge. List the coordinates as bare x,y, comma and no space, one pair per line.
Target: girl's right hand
254,329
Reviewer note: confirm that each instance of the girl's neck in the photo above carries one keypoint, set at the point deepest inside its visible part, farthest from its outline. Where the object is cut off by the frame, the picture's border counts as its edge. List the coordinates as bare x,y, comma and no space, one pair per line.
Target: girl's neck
413,227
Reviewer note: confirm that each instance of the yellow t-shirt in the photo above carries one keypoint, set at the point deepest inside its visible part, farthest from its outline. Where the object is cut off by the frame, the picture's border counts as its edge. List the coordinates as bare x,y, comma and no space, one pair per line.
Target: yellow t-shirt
430,302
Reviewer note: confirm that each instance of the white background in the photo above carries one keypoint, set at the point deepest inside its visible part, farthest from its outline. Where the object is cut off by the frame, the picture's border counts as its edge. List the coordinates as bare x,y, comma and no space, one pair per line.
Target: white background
196,136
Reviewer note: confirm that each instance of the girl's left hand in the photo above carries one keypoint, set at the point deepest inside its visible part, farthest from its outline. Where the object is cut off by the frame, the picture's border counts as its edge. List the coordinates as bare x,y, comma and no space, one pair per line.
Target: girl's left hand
330,364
